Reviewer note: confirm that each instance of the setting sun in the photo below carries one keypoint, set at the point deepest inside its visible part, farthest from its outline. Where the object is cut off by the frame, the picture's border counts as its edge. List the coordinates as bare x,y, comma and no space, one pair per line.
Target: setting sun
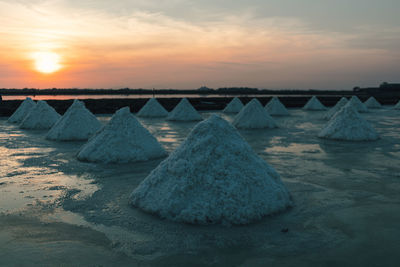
46,62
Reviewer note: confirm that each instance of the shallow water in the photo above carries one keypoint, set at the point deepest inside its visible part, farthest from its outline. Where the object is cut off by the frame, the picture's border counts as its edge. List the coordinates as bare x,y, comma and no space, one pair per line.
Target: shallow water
56,210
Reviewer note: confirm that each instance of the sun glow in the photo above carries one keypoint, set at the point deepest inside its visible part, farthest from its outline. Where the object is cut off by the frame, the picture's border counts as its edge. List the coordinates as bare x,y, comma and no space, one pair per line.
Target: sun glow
47,62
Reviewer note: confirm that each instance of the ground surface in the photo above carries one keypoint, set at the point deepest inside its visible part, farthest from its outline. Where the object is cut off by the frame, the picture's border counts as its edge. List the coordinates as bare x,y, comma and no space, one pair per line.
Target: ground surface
55,210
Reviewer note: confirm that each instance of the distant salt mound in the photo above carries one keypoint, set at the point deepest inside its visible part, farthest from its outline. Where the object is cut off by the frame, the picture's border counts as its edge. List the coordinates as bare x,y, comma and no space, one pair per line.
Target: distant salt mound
372,103
78,123
347,124
122,140
358,105
234,106
397,105
314,104
41,117
276,108
152,109
22,111
213,177
184,111
330,113
254,116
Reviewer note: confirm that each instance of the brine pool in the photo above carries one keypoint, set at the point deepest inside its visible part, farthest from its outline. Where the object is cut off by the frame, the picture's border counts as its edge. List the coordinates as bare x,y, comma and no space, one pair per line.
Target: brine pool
57,211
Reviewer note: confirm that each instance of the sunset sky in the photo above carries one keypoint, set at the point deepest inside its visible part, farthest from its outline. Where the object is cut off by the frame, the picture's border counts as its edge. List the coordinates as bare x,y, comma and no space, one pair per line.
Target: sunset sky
186,44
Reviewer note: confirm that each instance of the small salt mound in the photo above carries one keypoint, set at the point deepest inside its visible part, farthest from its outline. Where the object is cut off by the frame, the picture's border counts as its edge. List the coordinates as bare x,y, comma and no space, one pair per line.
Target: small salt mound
254,116
22,111
314,104
397,105
184,111
152,109
123,139
372,103
41,117
213,177
347,124
78,123
330,113
234,106
276,108
358,105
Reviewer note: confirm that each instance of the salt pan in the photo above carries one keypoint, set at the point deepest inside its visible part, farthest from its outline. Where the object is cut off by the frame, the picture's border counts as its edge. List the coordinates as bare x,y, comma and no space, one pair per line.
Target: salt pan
358,105
40,117
330,113
184,111
152,109
372,103
234,106
276,108
22,111
254,116
314,104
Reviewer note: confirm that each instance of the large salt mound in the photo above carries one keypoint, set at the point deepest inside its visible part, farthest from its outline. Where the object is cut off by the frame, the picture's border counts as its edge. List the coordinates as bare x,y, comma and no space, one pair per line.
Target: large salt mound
358,105
314,104
123,139
184,111
330,113
22,111
347,124
254,116
372,103
276,108
234,106
397,105
152,109
212,177
78,123
41,117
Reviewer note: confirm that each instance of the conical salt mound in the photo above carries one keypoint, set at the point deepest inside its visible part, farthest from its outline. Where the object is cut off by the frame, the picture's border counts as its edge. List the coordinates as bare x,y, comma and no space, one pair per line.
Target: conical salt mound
358,105
212,177
234,106
184,111
41,117
314,104
347,124
122,140
22,111
276,108
372,103
397,105
78,123
341,103
152,109
254,116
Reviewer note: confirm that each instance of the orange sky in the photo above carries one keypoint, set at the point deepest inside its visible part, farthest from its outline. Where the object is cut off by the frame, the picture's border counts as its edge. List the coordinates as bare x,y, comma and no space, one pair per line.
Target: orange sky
145,48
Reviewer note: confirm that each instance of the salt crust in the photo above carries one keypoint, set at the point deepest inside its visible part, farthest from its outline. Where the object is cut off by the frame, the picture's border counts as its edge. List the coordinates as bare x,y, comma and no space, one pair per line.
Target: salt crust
184,111
40,117
214,176
254,116
330,113
77,123
314,104
276,108
372,103
234,106
357,104
347,124
122,140
22,111
152,109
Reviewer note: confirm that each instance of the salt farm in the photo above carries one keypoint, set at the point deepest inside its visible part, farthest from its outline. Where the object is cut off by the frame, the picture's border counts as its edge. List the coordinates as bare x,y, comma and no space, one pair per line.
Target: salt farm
313,186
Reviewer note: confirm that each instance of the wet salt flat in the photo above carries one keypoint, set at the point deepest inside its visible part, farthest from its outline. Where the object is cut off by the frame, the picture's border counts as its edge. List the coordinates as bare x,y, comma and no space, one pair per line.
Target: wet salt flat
56,210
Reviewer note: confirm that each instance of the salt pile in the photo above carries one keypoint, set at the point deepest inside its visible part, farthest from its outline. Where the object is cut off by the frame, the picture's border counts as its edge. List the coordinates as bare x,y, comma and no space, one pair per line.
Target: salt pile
347,124
372,103
358,105
234,106
214,176
397,105
314,104
40,117
152,109
22,111
276,108
184,111
78,123
254,116
330,113
123,139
